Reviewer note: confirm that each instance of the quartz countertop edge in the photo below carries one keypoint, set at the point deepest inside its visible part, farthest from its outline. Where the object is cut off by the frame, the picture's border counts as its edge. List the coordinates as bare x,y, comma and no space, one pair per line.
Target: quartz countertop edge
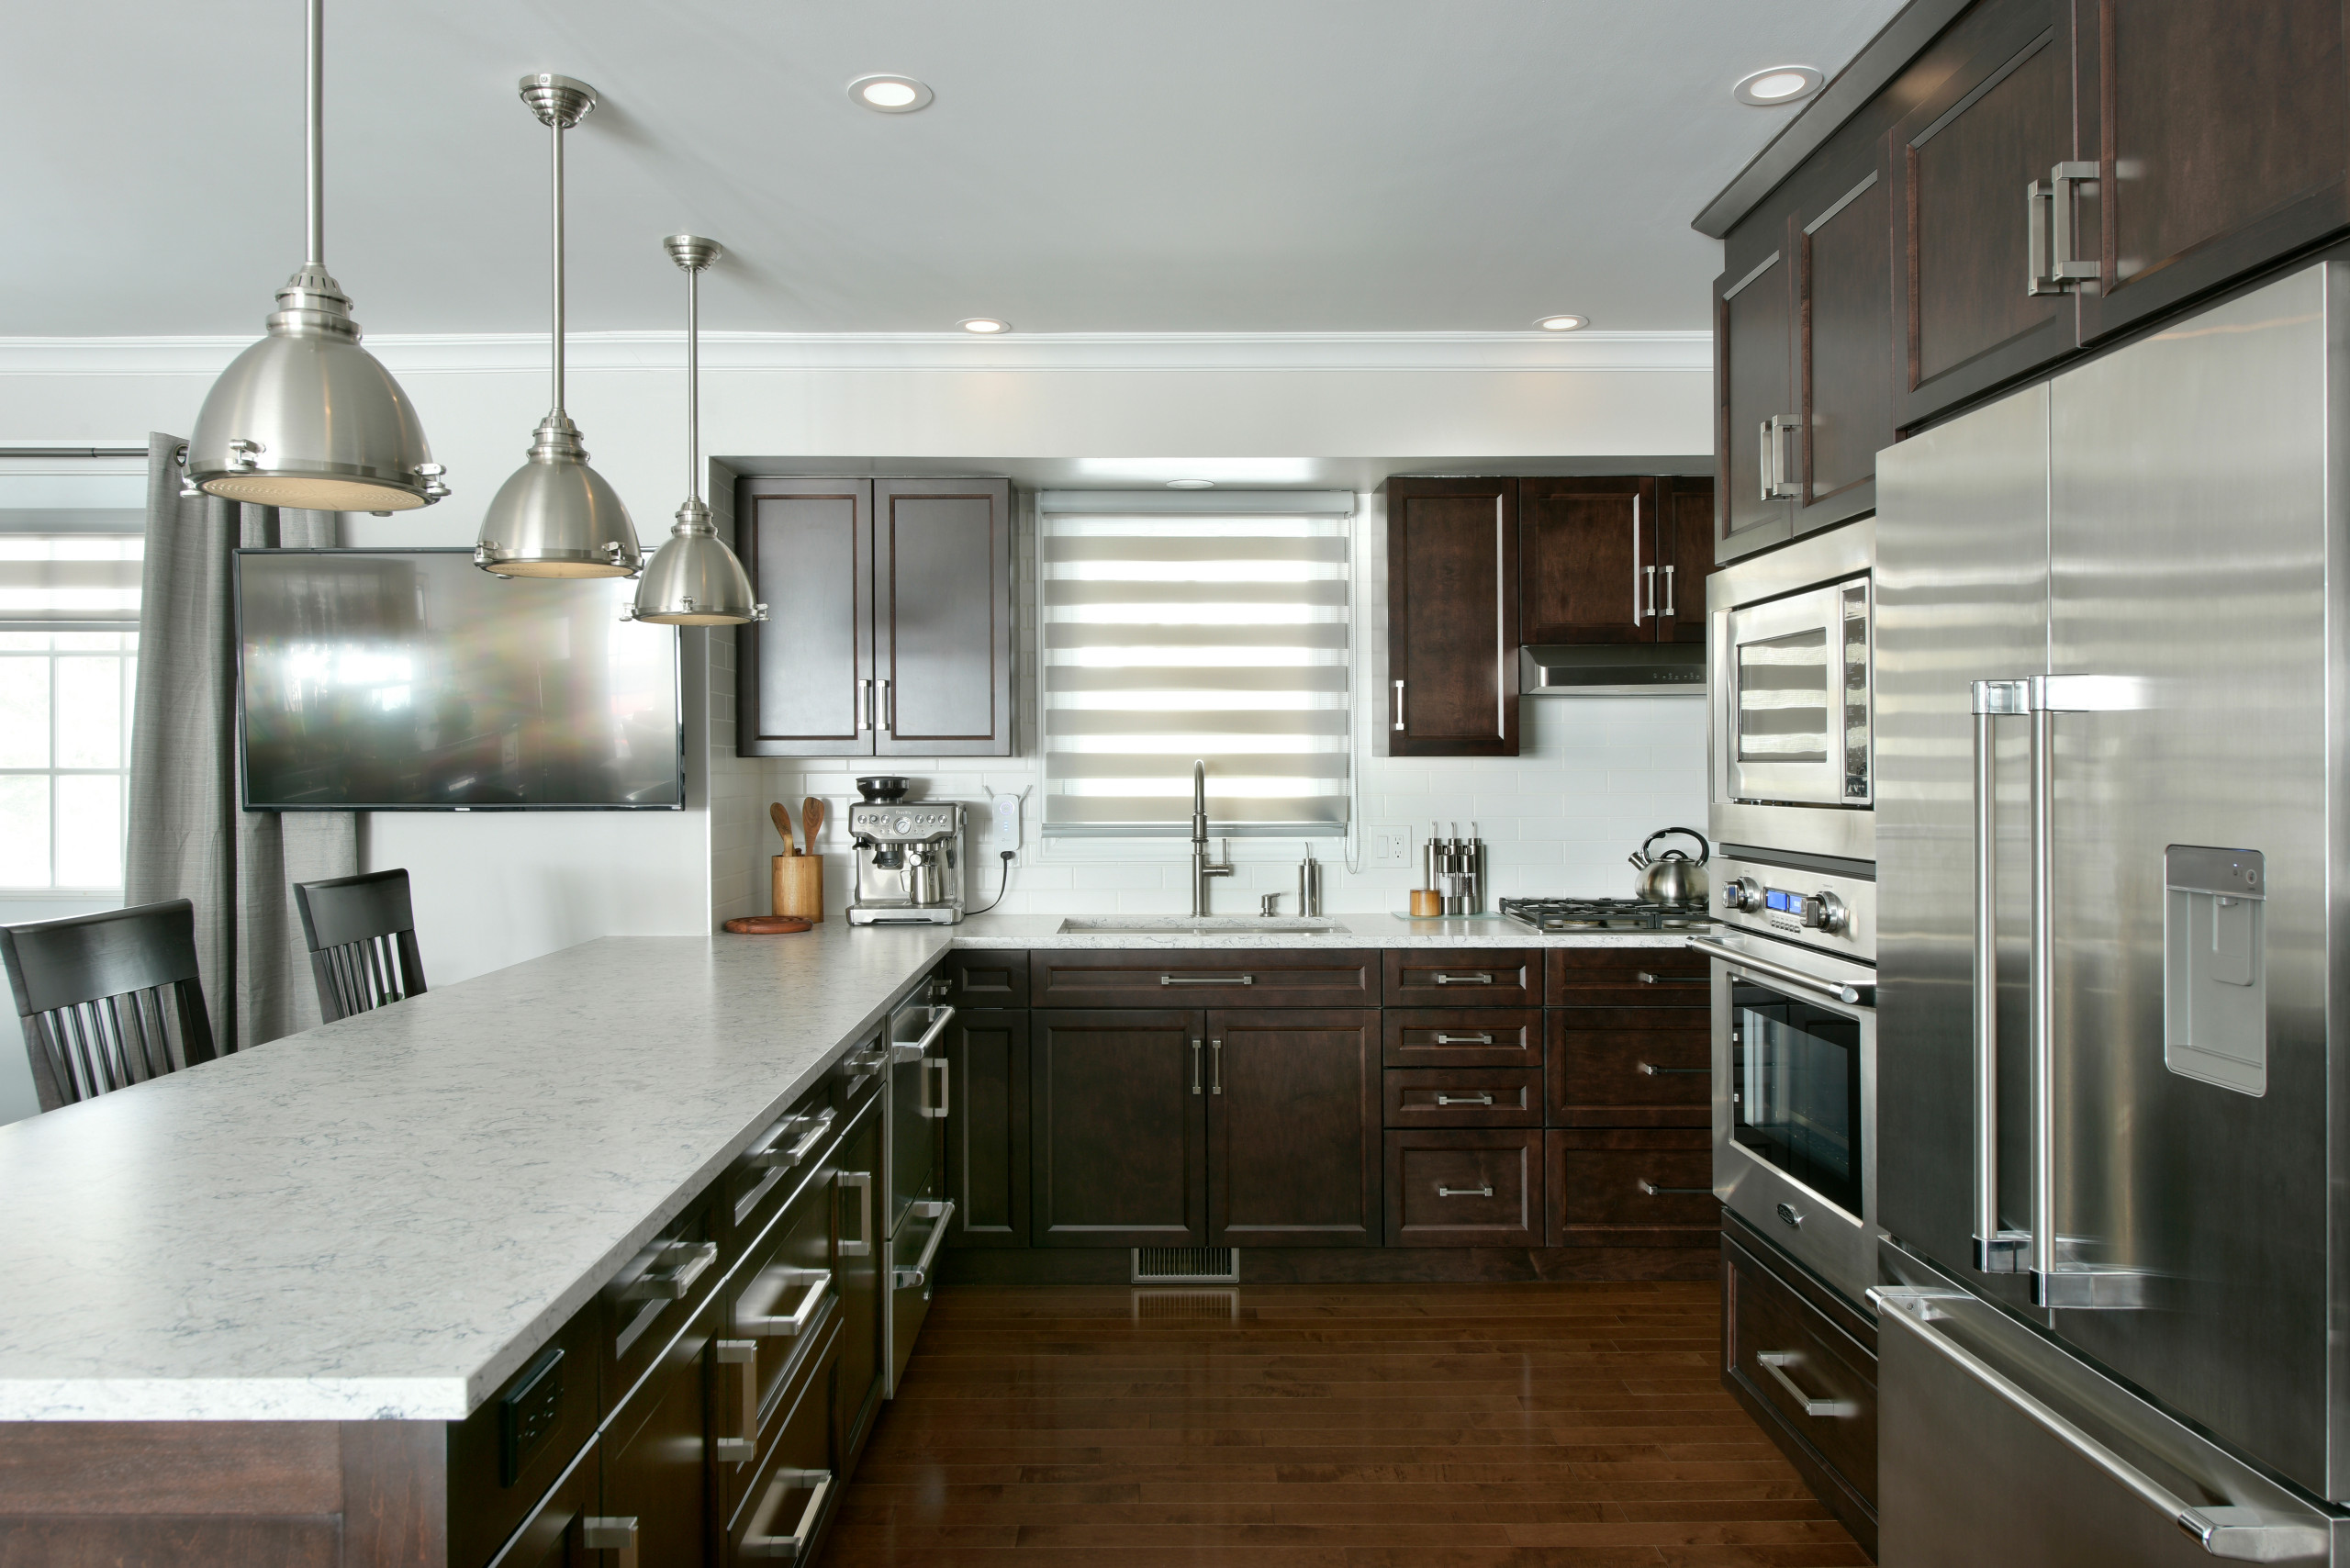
431,1189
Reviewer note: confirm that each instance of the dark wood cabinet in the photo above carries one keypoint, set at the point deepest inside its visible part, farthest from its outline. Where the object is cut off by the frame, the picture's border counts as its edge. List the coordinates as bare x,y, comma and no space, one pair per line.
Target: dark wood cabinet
987,1127
1631,1187
860,1252
1293,1111
1629,1067
1465,1187
1685,510
888,628
1463,977
1452,617
656,1454
1124,978
1118,1127
1589,560
1840,233
1756,418
1459,1036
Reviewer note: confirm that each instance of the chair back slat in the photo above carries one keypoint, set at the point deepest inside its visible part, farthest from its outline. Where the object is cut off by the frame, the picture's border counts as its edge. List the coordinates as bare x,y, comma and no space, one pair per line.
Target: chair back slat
91,991
362,934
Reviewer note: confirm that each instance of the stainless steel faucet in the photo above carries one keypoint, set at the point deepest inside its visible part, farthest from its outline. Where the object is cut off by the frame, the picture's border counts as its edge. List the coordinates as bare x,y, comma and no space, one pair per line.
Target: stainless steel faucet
1201,867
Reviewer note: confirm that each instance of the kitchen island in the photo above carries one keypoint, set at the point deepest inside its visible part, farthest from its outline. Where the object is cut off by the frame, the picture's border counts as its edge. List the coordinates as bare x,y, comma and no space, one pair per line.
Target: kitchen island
349,1241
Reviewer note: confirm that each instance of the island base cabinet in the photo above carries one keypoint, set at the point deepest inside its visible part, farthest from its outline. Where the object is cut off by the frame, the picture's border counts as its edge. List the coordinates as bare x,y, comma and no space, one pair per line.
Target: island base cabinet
656,1456
786,1500
556,1534
861,1251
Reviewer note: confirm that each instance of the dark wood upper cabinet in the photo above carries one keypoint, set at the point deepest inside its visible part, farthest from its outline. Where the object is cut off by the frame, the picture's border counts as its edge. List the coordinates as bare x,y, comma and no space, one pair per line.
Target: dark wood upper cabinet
1685,509
888,628
2220,135
1588,560
1842,236
1756,419
1293,1128
1118,1128
1452,617
1972,311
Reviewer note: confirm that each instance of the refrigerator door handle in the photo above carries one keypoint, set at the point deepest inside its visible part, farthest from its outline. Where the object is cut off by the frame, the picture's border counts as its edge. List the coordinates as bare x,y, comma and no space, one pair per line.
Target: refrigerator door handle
2239,1534
1997,1251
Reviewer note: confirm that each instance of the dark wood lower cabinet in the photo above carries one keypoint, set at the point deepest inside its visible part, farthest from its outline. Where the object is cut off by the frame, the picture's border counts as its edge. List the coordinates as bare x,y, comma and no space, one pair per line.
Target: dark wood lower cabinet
1293,1112
1632,1187
1465,1187
987,1127
656,1453
1629,1067
554,1536
1118,1128
861,1251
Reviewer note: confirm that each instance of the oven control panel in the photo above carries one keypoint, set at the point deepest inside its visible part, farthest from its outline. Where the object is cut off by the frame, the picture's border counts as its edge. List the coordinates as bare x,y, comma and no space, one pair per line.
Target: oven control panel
1821,909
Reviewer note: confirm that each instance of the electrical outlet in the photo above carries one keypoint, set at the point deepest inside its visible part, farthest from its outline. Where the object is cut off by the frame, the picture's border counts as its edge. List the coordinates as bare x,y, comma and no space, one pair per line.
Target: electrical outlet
1390,843
1005,811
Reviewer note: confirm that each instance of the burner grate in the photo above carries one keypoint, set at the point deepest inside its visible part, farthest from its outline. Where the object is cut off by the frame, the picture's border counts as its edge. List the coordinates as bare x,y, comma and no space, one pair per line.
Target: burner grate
1608,914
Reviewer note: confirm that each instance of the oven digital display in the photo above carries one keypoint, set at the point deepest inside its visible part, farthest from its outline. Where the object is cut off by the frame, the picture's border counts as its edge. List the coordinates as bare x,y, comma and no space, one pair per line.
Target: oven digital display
1782,903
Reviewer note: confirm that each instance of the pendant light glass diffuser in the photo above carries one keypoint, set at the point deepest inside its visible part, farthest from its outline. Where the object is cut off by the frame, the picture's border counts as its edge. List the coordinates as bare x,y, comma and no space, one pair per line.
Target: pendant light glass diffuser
306,417
694,579
556,517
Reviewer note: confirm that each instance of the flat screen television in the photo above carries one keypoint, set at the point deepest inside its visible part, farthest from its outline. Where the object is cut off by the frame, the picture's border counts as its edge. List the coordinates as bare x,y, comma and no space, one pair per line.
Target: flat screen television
389,680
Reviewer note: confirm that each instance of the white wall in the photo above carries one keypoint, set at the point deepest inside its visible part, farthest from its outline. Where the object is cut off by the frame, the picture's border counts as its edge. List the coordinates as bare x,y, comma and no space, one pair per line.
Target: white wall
492,890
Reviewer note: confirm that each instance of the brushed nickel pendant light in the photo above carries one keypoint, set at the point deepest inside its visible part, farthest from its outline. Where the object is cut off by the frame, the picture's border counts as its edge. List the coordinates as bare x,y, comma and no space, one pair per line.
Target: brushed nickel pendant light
306,417
556,517
694,579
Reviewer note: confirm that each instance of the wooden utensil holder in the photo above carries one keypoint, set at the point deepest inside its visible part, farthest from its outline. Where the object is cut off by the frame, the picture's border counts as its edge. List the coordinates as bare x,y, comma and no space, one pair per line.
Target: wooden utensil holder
798,885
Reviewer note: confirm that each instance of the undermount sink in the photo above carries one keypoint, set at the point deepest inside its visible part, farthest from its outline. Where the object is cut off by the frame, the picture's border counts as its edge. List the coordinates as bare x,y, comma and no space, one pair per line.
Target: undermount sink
1207,925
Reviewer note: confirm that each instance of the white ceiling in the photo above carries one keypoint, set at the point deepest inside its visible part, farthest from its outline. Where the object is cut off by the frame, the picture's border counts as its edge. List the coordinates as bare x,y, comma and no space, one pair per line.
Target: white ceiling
1089,165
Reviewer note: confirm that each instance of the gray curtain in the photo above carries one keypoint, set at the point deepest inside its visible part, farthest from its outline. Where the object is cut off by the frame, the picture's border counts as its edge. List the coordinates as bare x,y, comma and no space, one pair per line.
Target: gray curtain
188,839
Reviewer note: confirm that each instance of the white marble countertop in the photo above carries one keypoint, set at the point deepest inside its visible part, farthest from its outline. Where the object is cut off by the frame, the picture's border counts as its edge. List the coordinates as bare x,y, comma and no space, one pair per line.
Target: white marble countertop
384,1217
1377,929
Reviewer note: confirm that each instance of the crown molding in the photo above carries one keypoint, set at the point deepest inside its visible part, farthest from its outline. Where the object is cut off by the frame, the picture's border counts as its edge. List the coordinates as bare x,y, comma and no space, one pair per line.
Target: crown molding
664,351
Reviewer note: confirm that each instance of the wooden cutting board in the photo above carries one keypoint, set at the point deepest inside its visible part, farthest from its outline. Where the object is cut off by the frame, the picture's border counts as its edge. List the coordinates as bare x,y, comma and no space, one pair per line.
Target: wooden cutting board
768,925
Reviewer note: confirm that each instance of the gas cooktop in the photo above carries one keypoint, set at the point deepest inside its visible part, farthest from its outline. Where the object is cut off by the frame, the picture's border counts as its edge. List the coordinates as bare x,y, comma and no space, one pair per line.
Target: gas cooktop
1608,914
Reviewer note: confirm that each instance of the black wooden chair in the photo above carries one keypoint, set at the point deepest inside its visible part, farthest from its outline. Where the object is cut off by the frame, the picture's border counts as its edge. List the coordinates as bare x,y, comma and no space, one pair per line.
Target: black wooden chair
362,936
107,999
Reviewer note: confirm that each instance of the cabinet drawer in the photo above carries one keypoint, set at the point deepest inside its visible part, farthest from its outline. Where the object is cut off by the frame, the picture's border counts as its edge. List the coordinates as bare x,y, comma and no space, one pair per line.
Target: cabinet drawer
657,1292
786,1294
776,1507
505,1456
1632,1187
1460,1037
785,1151
1465,1187
1780,1350
1628,1067
984,978
1195,978
1463,1097
1628,977
1465,977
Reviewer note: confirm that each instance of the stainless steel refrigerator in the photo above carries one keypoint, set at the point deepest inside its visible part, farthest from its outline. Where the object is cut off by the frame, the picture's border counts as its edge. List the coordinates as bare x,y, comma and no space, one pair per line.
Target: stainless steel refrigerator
2113,841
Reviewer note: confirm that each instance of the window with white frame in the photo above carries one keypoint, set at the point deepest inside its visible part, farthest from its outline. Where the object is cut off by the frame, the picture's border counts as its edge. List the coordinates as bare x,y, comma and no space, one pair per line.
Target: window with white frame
70,546
1176,627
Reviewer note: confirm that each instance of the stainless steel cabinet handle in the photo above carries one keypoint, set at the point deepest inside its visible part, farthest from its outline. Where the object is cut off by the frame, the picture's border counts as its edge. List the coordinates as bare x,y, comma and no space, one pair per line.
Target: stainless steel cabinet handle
1480,977
787,1548
864,706
889,710
819,1284
2048,230
1651,607
1648,979
946,1071
1195,1067
1764,463
2240,1534
617,1536
1399,705
1207,979
1775,1362
1651,1070
1653,1191
863,1245
1216,1067
1669,610
2036,199
1464,1039
1444,1099
1444,1191
919,1275
1777,486
769,1157
1780,974
672,1283
743,1356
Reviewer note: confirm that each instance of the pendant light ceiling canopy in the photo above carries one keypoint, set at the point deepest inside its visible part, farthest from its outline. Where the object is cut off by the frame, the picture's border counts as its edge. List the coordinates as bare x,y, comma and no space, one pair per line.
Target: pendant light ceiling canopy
694,579
306,417
557,517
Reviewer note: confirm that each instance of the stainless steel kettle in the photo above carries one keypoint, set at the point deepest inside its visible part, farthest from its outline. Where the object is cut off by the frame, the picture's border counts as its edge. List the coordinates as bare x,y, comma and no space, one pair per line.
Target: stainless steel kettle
1672,877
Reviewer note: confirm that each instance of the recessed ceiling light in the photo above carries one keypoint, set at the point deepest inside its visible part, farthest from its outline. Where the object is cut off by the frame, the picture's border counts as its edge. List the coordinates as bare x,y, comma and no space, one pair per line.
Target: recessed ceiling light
1778,84
890,95
1562,323
984,324
1190,484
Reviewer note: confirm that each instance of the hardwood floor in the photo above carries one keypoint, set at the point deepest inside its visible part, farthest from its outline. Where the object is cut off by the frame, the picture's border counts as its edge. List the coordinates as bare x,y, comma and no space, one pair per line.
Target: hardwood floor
1328,1427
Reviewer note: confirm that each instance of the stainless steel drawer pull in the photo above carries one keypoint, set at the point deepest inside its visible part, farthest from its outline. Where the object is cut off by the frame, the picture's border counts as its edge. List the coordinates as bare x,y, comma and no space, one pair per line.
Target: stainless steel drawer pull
1216,1067
819,1284
743,1356
758,1542
1482,977
1444,1099
863,1245
617,1536
1651,1070
1648,979
671,1284
1464,1039
1444,1191
919,1275
1653,1191
1207,979
1195,1067
1399,705
1775,1361
768,1155
936,1113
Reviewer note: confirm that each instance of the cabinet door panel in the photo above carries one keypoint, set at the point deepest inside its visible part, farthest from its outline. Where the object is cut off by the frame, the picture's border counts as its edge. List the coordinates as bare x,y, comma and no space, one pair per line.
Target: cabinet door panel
1465,1187
552,1536
1632,1187
657,1455
1629,1067
1118,1128
1961,162
1685,508
860,1248
1844,255
2221,132
1754,378
942,587
1293,1129
1588,561
1452,616
808,545
987,1128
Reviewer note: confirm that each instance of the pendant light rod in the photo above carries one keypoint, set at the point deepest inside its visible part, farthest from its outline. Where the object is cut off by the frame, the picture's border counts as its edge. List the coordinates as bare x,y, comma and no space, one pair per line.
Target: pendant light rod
554,129
316,145
693,382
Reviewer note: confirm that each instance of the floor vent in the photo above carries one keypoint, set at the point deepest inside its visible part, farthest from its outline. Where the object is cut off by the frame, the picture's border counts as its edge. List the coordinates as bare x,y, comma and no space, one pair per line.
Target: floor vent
1187,1265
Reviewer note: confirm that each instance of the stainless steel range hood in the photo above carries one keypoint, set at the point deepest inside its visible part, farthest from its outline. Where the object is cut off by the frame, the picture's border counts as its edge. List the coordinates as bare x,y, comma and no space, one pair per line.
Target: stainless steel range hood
1651,669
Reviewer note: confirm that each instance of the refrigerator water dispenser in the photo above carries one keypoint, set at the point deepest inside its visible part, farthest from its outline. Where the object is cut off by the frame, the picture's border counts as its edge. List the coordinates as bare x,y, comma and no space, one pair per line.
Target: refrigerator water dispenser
2215,967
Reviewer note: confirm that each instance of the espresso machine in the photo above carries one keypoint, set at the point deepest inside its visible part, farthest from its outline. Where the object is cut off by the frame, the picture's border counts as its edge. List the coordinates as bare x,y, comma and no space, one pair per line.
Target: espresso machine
909,858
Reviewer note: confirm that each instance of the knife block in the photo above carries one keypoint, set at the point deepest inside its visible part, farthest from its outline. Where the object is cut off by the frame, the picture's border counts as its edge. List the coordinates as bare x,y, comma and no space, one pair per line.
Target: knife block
798,885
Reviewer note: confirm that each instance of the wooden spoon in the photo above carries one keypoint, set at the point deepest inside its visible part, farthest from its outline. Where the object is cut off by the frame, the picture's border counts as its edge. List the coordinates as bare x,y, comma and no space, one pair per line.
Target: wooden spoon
811,819
782,819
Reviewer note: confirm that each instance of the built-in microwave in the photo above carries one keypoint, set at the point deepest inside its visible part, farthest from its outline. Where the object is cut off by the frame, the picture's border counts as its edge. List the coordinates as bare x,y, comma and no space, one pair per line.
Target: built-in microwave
1792,692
